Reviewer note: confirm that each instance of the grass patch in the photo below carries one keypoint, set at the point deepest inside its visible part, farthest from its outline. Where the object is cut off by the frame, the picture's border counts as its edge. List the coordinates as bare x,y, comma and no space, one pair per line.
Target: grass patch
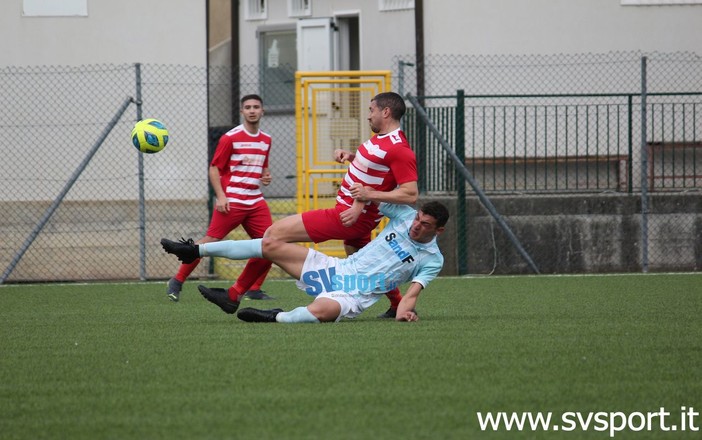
121,361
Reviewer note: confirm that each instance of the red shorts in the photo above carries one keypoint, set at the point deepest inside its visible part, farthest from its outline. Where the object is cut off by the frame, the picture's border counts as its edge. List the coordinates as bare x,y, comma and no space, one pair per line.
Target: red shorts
255,219
325,224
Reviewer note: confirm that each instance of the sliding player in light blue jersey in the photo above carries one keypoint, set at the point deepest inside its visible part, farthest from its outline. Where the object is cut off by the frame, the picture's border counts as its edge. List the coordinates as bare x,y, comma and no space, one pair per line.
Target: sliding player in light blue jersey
405,250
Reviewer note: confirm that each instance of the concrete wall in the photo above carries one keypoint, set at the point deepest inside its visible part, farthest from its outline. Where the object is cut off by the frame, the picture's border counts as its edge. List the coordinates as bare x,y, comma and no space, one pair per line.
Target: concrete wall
577,234
100,240
562,234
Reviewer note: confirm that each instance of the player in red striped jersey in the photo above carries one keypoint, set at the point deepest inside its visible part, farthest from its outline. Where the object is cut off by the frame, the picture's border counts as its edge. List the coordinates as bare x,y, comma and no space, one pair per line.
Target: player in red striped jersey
238,169
383,169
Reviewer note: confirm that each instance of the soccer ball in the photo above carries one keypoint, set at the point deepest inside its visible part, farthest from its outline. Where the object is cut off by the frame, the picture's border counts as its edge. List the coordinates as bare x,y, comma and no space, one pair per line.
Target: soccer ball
149,136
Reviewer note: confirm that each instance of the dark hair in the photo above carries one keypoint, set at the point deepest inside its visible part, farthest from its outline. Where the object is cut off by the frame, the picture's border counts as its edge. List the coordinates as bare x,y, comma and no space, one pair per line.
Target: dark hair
436,210
252,96
393,101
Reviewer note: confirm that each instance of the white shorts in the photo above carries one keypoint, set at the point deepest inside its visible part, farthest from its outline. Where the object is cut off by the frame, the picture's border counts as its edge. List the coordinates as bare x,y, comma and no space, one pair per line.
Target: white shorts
352,302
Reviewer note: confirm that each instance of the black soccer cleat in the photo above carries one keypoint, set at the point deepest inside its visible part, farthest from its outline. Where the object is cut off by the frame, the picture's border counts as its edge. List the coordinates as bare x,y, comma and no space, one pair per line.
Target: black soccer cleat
173,290
391,313
255,315
186,250
220,297
257,294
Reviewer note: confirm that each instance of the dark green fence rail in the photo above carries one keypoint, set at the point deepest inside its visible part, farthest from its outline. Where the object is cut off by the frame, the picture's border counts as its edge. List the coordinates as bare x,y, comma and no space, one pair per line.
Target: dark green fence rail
562,143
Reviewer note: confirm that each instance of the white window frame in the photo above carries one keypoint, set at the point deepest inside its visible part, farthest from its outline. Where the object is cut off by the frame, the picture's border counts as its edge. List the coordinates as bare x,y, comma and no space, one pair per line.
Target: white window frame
395,5
65,8
299,8
659,2
256,9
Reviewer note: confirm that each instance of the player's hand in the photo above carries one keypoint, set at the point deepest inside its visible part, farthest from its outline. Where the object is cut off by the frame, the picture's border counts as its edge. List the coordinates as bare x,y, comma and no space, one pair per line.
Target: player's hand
222,205
350,216
266,178
360,192
408,316
342,156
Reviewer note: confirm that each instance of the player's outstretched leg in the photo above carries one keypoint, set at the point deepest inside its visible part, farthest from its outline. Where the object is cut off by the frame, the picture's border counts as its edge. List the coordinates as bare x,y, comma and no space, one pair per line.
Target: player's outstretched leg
249,314
220,297
298,315
186,250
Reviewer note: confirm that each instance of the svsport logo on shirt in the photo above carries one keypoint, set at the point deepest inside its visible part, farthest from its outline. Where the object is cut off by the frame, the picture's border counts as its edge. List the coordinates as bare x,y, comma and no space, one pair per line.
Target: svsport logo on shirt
327,280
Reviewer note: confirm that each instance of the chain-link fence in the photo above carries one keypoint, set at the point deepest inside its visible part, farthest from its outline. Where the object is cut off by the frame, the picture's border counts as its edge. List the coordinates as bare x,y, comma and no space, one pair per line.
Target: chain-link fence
555,141
116,204
592,158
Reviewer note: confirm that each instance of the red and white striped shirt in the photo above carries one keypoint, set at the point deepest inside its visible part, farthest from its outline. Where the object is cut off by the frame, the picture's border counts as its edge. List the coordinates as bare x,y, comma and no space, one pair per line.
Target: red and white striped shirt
241,158
383,162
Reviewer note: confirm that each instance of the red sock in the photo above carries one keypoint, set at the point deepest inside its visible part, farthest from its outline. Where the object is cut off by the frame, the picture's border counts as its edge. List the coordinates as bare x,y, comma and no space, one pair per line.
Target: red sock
234,294
259,282
185,270
255,267
395,297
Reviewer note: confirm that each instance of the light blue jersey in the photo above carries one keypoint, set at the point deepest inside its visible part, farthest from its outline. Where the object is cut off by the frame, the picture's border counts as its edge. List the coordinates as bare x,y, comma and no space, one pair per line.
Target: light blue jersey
391,259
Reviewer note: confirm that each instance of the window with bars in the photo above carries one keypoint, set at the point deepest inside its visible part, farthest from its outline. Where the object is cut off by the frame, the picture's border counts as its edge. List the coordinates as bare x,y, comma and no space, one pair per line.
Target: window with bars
299,8
395,5
256,9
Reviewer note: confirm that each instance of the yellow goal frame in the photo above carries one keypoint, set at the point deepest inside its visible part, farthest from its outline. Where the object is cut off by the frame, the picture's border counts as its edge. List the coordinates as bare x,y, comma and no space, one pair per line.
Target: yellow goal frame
319,98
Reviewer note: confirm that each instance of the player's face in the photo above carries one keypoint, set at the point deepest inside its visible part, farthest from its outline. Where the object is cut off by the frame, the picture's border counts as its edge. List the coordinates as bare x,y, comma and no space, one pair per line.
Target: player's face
375,117
252,110
424,228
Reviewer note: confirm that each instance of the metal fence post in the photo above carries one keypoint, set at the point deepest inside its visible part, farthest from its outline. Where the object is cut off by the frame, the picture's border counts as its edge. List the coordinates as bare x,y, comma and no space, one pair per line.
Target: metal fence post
630,145
401,76
142,203
644,172
461,220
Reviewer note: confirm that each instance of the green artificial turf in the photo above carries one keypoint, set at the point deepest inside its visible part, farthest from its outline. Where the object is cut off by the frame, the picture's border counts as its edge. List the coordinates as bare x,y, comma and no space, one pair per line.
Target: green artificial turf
115,361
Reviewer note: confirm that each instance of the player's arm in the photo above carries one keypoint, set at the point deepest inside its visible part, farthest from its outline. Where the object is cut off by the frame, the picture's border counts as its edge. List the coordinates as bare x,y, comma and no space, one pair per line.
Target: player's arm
342,156
266,177
221,204
405,194
429,269
408,303
349,216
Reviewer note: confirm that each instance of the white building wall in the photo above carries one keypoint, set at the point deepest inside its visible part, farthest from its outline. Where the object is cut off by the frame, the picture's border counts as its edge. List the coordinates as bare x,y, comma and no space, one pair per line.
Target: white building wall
558,26
61,111
124,31
499,27
382,34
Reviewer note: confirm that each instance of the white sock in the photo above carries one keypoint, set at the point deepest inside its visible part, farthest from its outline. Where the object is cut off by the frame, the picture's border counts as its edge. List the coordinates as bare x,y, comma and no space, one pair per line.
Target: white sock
233,249
300,314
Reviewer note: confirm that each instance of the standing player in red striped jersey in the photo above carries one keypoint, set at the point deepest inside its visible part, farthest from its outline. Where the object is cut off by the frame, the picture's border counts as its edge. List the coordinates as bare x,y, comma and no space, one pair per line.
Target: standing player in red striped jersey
384,169
238,168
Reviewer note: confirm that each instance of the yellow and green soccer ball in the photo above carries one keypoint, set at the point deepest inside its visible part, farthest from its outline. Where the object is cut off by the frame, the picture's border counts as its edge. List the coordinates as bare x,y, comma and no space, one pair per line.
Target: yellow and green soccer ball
149,136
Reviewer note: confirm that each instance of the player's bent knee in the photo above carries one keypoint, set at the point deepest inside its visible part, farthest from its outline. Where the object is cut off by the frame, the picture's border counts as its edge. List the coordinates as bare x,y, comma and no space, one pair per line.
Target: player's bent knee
269,246
275,232
324,309
288,229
